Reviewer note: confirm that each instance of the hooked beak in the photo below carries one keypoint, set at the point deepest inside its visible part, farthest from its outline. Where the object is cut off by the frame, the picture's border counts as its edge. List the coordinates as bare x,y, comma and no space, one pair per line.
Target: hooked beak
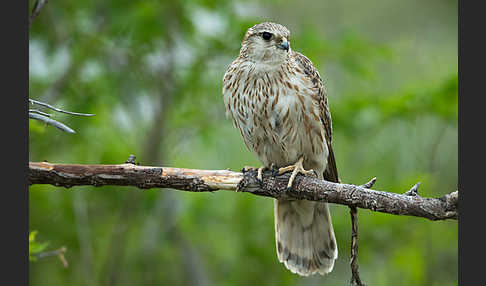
284,45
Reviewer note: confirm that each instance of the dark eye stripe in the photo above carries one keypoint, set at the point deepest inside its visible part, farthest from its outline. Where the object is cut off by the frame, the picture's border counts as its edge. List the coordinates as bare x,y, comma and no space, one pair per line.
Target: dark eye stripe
266,36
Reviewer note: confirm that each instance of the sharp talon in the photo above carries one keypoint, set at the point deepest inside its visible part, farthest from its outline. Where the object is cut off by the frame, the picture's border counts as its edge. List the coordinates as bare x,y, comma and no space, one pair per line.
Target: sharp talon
260,182
315,173
274,172
291,180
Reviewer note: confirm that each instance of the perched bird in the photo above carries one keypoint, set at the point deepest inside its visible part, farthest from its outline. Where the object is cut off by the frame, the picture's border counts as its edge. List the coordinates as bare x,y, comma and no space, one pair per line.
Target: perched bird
277,100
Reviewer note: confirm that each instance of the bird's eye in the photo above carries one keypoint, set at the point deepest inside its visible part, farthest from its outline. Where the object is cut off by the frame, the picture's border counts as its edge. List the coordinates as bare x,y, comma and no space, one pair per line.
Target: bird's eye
266,36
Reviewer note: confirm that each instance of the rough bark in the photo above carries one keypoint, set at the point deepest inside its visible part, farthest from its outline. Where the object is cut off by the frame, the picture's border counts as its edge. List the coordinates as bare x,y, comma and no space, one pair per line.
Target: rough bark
145,177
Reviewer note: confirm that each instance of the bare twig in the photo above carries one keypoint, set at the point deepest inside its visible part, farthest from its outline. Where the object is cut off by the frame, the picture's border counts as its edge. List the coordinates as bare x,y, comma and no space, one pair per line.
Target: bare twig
58,252
44,117
131,159
50,121
354,248
313,189
369,184
58,109
36,10
413,191
354,240
39,112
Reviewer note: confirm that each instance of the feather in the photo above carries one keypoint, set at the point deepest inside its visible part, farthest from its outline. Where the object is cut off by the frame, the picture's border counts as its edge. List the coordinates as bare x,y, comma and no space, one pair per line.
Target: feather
305,247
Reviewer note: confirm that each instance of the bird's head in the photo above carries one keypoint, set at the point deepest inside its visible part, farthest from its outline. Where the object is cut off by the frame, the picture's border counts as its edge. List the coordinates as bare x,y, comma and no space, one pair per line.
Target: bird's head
266,43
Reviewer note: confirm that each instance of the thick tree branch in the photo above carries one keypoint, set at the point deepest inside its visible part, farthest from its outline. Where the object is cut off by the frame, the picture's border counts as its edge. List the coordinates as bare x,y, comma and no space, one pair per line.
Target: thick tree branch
144,177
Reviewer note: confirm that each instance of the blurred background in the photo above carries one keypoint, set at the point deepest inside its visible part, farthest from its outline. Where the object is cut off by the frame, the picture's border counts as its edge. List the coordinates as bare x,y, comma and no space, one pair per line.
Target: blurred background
152,72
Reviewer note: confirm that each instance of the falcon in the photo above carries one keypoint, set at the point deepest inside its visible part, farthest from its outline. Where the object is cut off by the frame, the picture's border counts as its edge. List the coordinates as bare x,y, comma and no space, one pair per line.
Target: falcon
278,102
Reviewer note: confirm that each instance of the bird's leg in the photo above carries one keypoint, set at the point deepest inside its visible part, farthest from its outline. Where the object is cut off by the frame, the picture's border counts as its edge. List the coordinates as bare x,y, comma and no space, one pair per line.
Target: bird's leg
259,170
296,168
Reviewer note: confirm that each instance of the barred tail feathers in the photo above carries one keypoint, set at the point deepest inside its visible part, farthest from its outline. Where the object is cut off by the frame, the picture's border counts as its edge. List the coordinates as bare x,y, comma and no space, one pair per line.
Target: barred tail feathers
305,237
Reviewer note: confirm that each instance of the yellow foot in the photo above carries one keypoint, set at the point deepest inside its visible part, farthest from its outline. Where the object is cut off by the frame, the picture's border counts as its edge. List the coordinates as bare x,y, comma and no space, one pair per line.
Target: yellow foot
259,170
296,169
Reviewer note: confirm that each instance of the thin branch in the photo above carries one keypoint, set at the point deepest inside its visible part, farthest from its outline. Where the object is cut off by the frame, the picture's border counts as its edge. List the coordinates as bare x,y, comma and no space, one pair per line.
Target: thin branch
369,184
354,240
413,191
44,117
58,252
50,121
354,248
145,177
39,112
58,109
36,10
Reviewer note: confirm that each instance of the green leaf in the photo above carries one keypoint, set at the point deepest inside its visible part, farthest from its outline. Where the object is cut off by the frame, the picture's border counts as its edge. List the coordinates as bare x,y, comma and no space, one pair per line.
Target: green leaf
35,247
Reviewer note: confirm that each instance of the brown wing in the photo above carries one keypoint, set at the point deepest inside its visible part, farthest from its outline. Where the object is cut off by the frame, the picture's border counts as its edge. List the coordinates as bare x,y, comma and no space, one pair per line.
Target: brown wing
330,174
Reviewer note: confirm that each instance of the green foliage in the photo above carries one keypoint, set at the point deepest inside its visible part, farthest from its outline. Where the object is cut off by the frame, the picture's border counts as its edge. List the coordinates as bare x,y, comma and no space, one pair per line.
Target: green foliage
35,247
151,71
